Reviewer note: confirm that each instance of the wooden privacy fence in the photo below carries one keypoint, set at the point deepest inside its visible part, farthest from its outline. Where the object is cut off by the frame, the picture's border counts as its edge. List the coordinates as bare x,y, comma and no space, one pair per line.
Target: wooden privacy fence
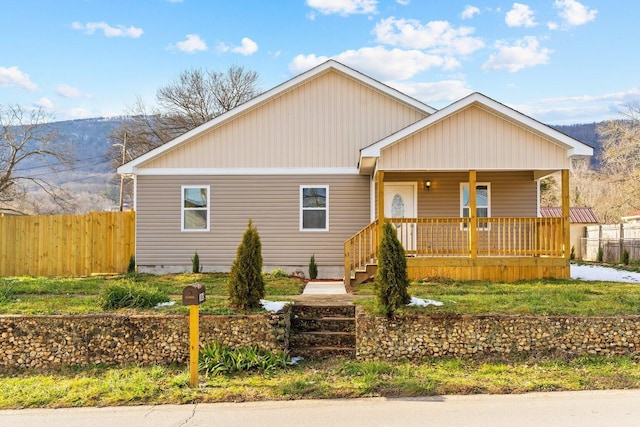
66,245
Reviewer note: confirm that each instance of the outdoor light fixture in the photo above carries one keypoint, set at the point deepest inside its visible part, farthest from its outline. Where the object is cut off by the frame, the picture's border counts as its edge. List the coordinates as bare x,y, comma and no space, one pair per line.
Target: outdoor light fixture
427,184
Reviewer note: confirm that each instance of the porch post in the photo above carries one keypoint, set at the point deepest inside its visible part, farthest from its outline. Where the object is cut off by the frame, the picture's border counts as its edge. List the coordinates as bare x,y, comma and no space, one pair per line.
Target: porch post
473,219
566,217
380,205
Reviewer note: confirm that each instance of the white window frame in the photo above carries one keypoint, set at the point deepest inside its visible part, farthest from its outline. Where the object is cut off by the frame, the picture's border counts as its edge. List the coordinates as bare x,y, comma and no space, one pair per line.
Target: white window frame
488,206
302,208
183,208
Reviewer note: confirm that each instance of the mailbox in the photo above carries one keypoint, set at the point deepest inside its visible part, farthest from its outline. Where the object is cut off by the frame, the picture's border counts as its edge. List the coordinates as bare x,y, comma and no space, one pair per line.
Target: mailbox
193,294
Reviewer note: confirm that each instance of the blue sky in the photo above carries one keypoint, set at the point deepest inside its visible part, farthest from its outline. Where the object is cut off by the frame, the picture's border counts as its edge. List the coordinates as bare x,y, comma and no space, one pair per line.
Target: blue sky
559,61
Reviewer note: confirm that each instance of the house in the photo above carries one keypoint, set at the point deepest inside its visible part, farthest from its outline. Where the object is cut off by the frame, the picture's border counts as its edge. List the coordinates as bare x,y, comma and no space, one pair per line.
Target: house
317,161
632,218
580,218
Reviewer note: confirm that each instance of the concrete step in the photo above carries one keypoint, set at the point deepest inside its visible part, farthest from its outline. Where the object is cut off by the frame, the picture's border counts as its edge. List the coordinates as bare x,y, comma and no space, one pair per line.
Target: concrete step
324,324
318,353
322,339
319,311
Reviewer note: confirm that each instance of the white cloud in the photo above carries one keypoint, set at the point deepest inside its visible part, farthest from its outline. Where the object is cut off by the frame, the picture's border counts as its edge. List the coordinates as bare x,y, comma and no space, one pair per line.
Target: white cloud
108,30
67,91
438,36
379,62
553,25
445,91
343,7
44,103
574,13
247,47
524,53
520,15
193,43
469,12
12,76
403,2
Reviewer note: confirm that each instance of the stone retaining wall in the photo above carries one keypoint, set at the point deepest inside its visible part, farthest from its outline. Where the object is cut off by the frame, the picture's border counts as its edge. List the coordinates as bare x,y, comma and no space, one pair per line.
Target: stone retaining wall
504,337
47,341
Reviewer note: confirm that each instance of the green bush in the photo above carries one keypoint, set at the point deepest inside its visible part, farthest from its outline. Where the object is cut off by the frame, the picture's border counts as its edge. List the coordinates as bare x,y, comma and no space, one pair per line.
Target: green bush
625,257
392,280
246,284
195,263
572,256
278,274
132,264
7,292
216,359
600,257
313,268
129,295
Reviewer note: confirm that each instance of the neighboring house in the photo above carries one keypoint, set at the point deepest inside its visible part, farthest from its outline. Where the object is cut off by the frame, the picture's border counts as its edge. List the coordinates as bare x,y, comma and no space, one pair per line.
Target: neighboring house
632,218
308,162
580,219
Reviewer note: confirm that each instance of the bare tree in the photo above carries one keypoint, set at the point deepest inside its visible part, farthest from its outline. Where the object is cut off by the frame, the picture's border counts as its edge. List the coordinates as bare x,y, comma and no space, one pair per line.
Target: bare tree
30,152
195,97
620,158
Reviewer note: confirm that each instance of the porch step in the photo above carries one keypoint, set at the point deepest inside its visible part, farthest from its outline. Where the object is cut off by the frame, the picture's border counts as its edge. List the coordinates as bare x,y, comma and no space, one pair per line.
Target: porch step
323,331
362,276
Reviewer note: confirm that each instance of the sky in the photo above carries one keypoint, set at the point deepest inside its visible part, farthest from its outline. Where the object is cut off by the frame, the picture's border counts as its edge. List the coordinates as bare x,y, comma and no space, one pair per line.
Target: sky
558,61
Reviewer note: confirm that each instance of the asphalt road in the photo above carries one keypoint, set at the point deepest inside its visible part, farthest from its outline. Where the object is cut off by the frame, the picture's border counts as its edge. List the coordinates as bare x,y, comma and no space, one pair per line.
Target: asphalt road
617,408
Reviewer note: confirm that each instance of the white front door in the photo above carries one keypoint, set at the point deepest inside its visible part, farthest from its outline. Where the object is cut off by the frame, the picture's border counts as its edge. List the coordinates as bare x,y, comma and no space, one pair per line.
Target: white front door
400,202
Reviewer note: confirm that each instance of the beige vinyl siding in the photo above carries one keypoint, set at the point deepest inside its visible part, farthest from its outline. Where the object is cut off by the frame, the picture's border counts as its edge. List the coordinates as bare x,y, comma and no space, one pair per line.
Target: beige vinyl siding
513,194
474,139
272,202
323,122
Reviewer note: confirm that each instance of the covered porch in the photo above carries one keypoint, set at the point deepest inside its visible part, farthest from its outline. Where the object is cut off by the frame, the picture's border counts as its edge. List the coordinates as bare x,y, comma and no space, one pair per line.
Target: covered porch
462,188
475,245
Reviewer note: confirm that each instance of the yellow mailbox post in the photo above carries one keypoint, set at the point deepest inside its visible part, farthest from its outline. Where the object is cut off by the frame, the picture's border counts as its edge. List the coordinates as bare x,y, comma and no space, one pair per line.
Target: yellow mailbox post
193,296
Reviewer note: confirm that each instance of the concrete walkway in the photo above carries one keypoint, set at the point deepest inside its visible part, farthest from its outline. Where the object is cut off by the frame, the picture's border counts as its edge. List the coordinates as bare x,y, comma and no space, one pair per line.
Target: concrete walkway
324,292
324,288
617,408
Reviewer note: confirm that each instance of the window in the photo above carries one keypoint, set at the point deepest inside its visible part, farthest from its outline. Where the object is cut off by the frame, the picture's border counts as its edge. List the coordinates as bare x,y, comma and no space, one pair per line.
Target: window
195,208
483,201
314,208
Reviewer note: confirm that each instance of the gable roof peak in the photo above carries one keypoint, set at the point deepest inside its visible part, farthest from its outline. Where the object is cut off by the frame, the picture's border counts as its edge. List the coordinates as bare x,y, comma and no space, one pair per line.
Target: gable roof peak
330,64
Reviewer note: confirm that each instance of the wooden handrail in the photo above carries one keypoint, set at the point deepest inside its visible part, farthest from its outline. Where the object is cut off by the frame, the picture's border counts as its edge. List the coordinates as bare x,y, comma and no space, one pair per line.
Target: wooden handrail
361,249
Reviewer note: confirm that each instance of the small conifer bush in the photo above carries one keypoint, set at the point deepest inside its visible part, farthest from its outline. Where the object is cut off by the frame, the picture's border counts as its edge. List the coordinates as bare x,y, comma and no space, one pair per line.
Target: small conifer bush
313,268
246,284
392,280
600,257
625,257
195,263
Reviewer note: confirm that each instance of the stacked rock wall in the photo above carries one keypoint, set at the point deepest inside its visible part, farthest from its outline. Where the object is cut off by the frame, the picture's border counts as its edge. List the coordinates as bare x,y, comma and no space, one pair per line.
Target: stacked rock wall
45,341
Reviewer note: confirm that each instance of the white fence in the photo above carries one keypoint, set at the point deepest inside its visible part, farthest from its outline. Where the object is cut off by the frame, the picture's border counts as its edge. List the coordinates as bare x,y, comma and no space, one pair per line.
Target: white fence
614,239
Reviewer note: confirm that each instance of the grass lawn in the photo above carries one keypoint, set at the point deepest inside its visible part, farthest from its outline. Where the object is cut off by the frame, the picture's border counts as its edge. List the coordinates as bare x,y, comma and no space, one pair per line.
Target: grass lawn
104,386
134,385
546,298
80,295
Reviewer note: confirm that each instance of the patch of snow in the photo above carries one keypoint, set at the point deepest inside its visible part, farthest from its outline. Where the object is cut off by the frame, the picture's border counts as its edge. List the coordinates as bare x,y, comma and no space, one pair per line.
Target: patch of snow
166,304
605,274
419,302
295,360
273,305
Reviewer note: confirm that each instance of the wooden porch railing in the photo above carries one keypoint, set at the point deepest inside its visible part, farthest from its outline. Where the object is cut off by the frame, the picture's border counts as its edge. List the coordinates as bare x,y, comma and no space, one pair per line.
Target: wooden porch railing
450,237
361,249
